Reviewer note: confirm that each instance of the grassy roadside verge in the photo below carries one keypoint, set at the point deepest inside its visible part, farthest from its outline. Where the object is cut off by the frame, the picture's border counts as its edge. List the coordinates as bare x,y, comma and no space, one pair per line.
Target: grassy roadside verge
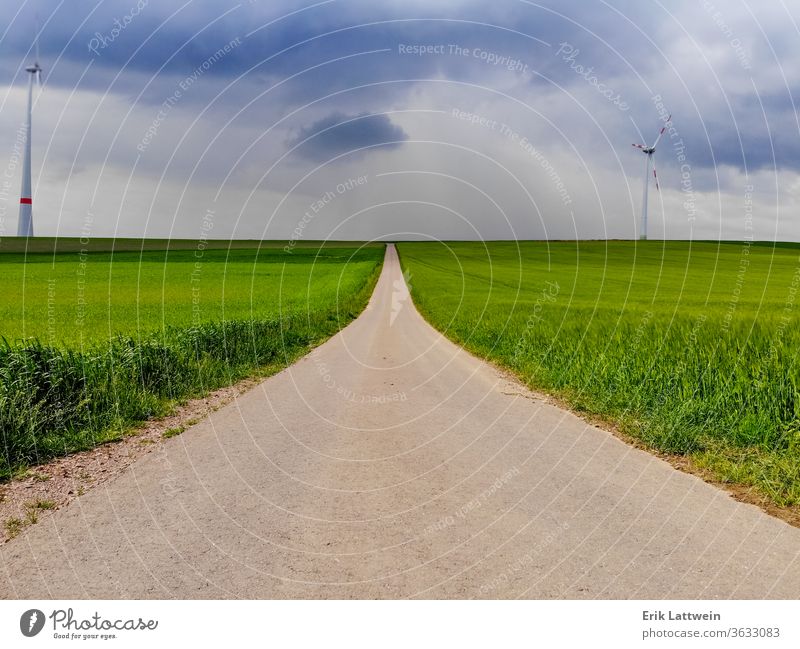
690,349
55,400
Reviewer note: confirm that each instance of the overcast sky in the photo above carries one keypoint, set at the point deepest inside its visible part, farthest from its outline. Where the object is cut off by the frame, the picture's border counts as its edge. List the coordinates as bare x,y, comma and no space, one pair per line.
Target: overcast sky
350,119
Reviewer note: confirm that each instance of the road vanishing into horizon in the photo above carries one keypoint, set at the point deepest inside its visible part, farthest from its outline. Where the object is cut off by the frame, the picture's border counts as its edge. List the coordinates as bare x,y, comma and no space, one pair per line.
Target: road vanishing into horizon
390,463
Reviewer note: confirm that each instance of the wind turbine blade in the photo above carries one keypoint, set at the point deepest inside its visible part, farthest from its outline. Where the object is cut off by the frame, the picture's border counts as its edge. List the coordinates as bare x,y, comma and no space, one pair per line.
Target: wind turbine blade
639,146
655,175
661,132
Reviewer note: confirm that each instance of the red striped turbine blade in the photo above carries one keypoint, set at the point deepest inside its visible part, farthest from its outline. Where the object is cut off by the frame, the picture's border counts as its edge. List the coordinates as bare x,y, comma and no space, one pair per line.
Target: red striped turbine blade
655,175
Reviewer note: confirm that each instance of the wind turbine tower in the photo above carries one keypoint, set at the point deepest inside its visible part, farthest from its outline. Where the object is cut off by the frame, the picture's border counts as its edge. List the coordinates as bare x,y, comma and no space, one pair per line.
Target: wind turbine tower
649,151
25,224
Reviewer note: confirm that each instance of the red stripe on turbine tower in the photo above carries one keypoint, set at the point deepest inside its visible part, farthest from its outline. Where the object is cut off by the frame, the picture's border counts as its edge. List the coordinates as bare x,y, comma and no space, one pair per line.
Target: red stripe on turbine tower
26,201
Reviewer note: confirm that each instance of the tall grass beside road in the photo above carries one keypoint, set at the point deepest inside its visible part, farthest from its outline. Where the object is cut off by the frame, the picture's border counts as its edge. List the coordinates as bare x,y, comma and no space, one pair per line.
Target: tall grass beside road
146,336
692,348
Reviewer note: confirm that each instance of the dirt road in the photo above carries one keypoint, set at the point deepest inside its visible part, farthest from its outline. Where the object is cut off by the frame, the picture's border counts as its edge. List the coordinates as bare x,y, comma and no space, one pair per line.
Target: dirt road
390,463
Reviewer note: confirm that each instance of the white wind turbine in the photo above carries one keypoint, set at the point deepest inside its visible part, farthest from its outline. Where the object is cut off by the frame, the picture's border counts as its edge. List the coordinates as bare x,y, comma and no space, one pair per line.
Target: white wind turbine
649,151
25,224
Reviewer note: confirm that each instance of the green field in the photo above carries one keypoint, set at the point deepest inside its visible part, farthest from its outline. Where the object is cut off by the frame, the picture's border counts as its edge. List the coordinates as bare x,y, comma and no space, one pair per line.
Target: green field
71,298
107,244
691,348
104,335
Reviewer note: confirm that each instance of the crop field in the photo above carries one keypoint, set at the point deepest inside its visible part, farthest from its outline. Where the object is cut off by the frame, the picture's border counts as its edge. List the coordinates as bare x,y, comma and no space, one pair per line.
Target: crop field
73,298
691,348
100,337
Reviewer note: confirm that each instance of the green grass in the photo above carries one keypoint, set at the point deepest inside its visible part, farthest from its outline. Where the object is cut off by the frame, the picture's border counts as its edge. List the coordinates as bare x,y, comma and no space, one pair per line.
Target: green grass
691,348
96,342
69,299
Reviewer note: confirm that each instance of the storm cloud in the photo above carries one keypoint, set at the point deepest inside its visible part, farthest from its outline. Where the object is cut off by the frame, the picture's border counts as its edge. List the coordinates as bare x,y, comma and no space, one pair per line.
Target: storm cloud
471,119
339,134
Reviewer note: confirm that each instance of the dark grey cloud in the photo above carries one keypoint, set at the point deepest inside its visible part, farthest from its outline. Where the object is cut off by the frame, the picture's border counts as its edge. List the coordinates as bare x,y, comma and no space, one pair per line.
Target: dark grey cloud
313,51
338,134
